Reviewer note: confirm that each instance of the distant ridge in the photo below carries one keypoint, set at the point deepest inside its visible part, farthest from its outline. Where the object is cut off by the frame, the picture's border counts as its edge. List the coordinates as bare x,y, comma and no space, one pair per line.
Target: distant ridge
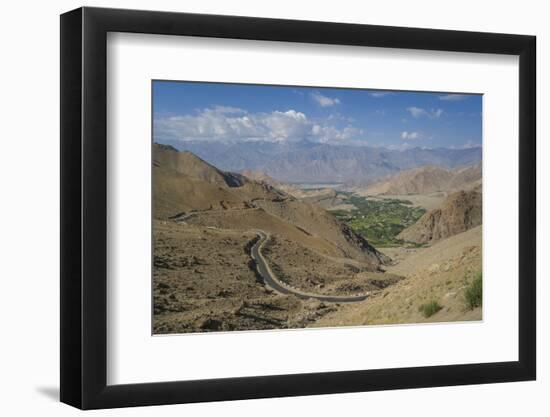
428,179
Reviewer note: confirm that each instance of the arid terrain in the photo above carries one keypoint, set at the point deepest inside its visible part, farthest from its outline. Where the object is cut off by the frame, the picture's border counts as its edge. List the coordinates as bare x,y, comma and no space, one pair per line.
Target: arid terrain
244,251
426,180
439,274
204,280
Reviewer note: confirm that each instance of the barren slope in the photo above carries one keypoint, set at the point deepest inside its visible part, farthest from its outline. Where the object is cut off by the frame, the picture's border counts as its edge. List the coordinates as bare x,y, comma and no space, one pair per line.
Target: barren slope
427,180
192,166
312,273
319,223
259,219
438,273
466,178
204,280
461,211
447,248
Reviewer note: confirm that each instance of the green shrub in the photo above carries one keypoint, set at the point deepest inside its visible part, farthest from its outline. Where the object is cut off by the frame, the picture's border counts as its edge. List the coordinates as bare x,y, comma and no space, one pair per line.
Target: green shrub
474,292
429,309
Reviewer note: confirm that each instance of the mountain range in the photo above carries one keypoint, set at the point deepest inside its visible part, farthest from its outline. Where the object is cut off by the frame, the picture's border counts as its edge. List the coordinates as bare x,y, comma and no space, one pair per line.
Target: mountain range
308,162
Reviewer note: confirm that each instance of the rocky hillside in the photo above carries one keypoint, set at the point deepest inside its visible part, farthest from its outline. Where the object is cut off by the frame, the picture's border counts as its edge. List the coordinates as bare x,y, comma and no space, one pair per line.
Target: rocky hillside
186,185
466,178
182,182
440,273
427,180
185,163
461,211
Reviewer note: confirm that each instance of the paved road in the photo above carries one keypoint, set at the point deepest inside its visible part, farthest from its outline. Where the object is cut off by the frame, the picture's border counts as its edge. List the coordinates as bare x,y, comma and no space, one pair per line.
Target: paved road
271,280
180,218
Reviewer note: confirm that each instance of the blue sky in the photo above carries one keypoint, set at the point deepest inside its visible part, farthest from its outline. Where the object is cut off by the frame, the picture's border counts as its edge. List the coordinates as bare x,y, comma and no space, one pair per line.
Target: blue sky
192,111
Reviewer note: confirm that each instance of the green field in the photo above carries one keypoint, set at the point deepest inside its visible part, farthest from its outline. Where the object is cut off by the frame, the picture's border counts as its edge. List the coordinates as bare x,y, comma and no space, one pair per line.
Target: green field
380,220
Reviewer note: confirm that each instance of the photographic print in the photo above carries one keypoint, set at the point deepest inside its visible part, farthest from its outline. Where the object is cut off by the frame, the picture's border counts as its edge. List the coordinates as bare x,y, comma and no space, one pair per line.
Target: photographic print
287,207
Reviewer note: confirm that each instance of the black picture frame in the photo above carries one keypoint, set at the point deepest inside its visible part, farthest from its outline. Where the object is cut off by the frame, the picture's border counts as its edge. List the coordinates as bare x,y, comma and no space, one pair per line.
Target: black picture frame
84,207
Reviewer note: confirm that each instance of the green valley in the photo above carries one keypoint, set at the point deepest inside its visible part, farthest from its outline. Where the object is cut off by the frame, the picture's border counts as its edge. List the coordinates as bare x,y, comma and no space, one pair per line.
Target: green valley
380,220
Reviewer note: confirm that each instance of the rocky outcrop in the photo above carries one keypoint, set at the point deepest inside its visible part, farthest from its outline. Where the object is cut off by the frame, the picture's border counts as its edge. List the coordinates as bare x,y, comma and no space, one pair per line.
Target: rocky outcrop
461,211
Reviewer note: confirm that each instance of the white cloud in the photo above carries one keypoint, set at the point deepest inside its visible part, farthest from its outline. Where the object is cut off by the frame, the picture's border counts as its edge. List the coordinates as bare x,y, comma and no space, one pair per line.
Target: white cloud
453,97
436,113
324,101
379,94
228,124
418,112
330,134
410,135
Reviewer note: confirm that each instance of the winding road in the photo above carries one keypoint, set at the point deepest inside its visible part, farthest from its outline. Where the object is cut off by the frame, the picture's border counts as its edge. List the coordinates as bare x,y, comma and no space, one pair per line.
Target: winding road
271,280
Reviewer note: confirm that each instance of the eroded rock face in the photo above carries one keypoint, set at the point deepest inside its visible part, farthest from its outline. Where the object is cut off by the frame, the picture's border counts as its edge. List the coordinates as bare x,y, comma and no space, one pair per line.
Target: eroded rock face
461,211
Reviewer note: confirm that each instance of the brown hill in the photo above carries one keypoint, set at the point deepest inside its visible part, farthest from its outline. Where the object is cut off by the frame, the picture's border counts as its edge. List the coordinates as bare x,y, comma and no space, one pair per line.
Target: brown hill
466,178
186,163
176,193
427,180
318,222
261,176
184,184
459,212
439,272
